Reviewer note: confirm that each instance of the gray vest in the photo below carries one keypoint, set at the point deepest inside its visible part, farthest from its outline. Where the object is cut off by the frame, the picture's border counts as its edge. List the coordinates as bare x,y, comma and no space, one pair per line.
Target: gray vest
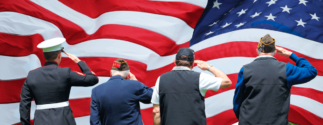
181,102
266,95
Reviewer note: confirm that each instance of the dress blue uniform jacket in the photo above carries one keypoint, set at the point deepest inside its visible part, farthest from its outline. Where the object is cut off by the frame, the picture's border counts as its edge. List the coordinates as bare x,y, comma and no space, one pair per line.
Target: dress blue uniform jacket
116,102
301,73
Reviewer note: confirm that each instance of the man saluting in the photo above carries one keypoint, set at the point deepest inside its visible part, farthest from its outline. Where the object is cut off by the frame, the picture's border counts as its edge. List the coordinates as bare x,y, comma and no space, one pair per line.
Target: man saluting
50,86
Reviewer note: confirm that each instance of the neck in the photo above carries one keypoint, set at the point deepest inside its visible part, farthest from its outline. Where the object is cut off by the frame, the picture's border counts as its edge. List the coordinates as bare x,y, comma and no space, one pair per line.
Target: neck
267,54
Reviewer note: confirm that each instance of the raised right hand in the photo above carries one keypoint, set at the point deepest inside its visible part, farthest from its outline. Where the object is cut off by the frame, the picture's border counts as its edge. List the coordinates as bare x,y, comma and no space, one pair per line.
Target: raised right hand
73,57
283,52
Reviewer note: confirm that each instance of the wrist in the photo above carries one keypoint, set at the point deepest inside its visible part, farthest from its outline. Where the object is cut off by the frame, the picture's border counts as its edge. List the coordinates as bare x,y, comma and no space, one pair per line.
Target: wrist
209,67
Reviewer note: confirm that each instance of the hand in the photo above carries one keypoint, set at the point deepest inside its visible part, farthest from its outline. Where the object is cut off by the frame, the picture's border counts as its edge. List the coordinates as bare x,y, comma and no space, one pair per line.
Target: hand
283,52
73,57
202,64
131,76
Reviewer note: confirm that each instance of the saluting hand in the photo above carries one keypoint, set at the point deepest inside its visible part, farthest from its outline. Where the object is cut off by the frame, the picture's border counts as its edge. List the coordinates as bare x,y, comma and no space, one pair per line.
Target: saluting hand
132,76
283,52
201,64
73,57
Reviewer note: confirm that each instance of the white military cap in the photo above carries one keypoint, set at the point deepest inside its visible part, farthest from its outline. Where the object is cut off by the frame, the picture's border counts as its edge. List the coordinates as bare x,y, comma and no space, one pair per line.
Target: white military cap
51,45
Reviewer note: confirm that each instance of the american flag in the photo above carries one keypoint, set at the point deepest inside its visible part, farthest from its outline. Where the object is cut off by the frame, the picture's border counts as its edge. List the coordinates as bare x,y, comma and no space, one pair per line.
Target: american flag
148,33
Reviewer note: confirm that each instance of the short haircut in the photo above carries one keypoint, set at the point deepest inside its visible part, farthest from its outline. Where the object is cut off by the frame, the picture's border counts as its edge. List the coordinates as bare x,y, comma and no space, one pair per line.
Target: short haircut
184,62
51,56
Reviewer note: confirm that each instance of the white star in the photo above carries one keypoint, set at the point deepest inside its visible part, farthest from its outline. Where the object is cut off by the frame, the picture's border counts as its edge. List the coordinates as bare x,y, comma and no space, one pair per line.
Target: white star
255,15
240,24
271,17
286,9
300,22
254,1
271,2
315,17
209,33
303,2
216,4
226,25
242,12
214,23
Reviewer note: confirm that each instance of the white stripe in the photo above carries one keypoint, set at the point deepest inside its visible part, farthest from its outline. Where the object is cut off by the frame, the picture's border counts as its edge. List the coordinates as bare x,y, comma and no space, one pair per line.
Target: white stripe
305,46
308,104
17,23
218,103
17,67
229,65
119,49
171,27
201,3
316,84
85,120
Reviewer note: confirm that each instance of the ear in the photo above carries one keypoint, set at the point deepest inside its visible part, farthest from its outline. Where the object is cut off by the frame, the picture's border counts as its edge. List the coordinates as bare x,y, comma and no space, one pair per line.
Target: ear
175,62
110,73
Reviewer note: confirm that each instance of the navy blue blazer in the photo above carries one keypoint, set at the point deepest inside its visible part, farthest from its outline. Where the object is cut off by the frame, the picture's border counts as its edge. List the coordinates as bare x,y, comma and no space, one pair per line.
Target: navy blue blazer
116,102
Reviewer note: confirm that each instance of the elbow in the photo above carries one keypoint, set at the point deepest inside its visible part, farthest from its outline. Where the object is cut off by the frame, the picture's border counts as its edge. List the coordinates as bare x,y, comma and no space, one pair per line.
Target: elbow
226,83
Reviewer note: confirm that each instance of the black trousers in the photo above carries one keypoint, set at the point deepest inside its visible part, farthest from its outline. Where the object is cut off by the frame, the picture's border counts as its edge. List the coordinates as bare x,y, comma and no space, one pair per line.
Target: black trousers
55,116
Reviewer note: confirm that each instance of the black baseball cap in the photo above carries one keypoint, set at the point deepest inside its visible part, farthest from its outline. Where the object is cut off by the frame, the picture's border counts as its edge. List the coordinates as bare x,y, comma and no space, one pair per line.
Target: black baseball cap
186,54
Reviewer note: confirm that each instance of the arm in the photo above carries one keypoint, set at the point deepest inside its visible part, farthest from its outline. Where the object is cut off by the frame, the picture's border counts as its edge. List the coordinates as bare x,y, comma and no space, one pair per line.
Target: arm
94,116
25,103
144,93
301,73
156,114
226,82
238,94
155,101
87,78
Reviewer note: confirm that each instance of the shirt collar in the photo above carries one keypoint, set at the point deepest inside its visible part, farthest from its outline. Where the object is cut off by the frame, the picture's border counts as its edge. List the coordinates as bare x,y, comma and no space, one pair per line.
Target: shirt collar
50,63
181,68
262,56
116,77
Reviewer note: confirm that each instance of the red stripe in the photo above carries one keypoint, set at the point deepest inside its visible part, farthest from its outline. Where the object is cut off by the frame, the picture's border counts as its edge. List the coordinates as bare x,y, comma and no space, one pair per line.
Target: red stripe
147,116
308,92
187,12
224,118
233,78
301,116
248,49
10,90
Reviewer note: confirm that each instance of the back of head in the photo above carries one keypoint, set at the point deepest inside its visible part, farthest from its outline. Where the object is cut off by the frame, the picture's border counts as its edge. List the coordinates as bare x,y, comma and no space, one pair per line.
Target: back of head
120,67
185,57
51,56
266,44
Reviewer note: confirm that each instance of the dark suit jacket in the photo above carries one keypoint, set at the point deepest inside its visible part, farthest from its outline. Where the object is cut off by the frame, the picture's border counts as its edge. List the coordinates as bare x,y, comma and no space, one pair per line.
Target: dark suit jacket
116,102
52,84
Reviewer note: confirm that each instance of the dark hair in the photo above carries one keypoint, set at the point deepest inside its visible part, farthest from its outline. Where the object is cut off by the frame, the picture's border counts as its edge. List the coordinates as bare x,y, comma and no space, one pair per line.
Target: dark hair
51,56
184,62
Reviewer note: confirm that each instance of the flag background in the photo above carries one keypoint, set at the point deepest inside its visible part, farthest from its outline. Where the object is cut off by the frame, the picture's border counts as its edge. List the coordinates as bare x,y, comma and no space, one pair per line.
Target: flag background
148,33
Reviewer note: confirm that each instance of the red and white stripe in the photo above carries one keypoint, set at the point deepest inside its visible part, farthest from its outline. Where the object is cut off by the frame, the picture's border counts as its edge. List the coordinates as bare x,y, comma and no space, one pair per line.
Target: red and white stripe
146,33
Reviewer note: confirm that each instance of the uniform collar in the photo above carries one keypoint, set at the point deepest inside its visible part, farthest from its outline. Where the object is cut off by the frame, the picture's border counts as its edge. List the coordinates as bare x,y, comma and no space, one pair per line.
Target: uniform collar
116,77
50,63
181,68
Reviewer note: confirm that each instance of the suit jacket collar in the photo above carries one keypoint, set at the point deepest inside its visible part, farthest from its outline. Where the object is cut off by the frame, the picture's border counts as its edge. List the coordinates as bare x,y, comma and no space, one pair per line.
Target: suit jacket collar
116,77
50,63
